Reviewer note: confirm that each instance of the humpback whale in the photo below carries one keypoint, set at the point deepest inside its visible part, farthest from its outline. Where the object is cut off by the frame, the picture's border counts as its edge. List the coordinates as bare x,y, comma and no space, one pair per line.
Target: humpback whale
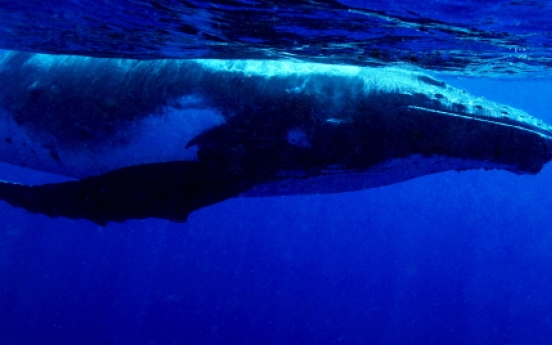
162,138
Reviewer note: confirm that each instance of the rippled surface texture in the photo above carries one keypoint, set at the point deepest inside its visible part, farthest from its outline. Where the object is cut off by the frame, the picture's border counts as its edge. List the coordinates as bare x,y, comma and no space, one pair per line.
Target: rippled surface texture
496,37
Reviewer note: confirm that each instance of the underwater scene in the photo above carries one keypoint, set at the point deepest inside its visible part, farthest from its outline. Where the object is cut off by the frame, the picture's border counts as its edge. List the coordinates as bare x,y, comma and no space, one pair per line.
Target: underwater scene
275,172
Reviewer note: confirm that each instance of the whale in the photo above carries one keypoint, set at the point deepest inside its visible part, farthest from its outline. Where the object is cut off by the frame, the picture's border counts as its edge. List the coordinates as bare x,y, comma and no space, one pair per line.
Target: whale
162,138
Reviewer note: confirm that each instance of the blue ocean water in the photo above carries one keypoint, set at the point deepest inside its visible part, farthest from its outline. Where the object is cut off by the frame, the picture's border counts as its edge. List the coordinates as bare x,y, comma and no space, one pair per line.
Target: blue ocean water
452,258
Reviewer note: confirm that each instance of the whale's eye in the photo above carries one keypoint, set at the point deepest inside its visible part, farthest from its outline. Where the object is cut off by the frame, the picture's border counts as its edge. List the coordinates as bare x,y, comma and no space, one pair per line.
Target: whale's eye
297,137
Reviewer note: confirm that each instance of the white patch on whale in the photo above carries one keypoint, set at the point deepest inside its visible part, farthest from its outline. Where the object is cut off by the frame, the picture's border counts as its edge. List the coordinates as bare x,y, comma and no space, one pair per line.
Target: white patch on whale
18,147
159,137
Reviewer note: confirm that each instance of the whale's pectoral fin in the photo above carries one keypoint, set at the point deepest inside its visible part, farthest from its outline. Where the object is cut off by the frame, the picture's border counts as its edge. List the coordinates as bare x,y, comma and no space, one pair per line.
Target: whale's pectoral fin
163,190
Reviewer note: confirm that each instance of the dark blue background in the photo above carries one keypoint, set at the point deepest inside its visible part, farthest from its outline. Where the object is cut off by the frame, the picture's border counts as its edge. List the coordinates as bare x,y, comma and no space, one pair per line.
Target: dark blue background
454,258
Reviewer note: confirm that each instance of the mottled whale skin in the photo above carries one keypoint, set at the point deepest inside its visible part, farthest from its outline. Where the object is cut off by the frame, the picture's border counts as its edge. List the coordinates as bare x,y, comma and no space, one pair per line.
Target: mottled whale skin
162,138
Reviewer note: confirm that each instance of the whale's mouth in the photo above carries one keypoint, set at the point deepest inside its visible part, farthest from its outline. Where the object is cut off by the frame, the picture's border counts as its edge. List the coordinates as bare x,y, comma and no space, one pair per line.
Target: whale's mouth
524,123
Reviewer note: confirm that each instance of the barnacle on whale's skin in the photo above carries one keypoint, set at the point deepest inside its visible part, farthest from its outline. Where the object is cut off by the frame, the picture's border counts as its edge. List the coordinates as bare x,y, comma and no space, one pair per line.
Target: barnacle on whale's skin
223,128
